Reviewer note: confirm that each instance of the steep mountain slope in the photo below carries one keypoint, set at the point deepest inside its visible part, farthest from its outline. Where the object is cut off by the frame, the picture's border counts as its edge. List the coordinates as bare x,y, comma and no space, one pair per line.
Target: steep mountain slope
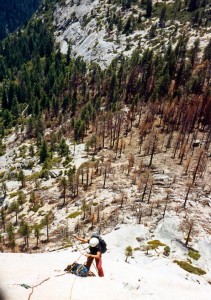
86,148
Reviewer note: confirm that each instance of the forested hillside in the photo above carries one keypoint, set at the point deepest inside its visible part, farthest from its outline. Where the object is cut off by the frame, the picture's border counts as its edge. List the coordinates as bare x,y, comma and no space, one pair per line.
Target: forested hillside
37,79
15,13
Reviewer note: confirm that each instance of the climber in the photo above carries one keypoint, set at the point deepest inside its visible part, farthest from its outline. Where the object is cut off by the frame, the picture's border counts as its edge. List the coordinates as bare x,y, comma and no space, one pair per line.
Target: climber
95,253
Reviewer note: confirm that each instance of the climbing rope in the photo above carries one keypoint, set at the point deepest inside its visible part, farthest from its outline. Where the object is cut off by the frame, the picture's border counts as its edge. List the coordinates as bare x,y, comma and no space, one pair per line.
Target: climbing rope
79,248
71,290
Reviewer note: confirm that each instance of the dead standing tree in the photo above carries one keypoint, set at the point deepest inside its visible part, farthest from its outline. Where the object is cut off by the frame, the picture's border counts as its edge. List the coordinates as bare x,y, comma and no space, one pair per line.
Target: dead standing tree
151,146
118,131
75,185
63,186
189,233
121,147
181,145
123,199
187,165
140,215
166,202
105,171
131,161
145,178
144,128
189,185
84,171
200,164
182,153
169,113
87,183
150,190
189,228
103,128
115,127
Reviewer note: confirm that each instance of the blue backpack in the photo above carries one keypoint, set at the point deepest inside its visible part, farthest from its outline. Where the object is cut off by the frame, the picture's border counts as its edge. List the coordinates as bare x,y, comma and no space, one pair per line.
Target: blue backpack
102,243
79,270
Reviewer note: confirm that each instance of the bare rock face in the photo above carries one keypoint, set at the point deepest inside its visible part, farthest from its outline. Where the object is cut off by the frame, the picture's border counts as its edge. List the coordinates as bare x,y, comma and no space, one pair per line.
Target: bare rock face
76,25
91,28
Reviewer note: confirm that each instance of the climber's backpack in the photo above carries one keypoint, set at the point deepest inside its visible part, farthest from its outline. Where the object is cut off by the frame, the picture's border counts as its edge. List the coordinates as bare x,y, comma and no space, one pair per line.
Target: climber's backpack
102,243
79,270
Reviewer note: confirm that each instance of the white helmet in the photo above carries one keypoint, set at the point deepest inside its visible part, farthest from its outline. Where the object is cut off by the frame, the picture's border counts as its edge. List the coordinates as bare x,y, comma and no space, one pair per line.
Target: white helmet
93,242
